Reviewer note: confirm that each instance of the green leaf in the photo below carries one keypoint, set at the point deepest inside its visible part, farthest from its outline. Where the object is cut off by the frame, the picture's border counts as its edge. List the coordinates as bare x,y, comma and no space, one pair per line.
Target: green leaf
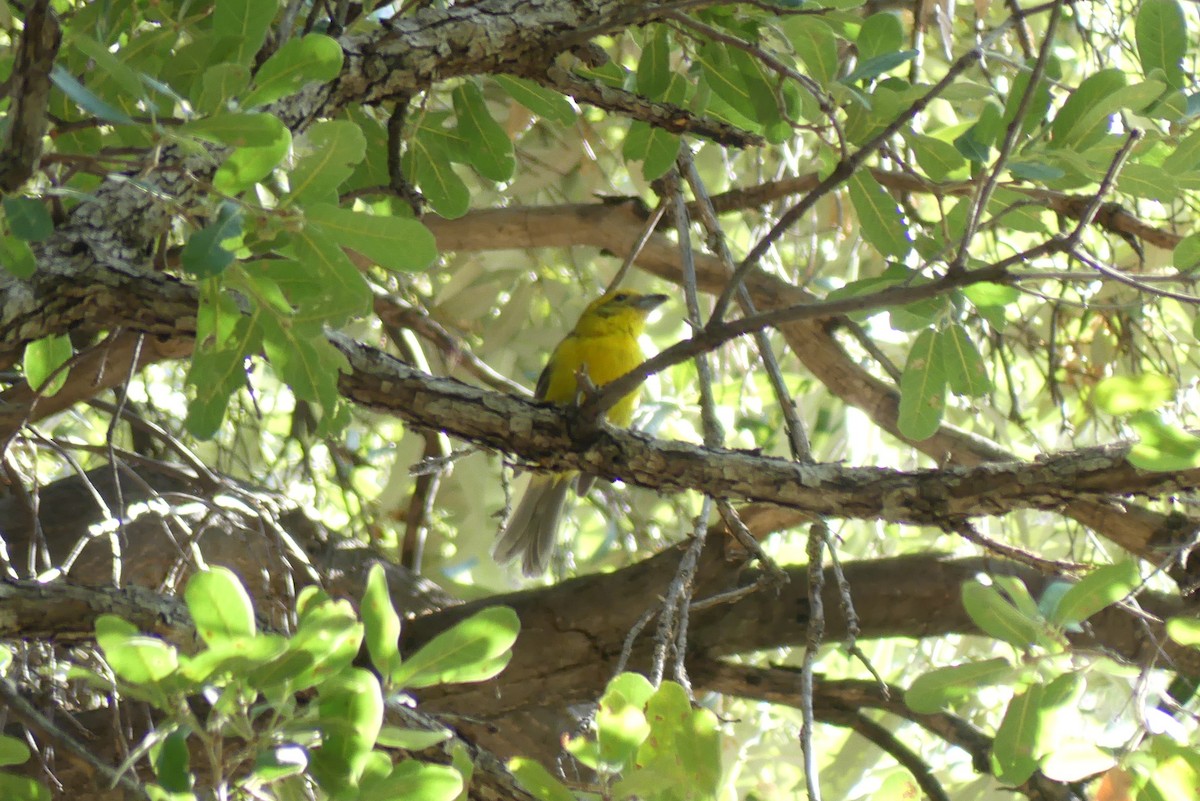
1187,253
1013,749
247,166
245,24
654,64
725,80
879,216
1184,630
922,389
966,373
41,360
280,762
219,84
314,57
238,656
881,34
427,164
1091,92
488,148
28,218
141,660
330,636
939,159
1162,447
1039,104
171,763
1101,588
545,103
218,368
1186,155
816,46
412,739
758,82
19,788
254,129
621,725
350,715
1033,170
416,781
113,77
1161,35
1076,762
391,242
17,258
334,147
381,622
85,99
682,751
976,142
322,283
220,606
13,751
475,649
997,617
538,781
1148,181
661,154
986,295
933,691
1121,394
203,255
305,360
1092,123
874,67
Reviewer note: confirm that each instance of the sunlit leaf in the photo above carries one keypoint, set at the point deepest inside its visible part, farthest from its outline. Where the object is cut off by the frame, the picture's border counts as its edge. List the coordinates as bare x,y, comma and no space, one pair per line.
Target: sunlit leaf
381,623
1137,393
472,650
299,62
933,691
42,360
1162,447
220,606
392,242
1161,35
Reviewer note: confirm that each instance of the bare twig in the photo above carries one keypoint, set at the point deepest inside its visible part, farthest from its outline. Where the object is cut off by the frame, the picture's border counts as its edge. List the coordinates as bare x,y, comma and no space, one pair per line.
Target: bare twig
817,534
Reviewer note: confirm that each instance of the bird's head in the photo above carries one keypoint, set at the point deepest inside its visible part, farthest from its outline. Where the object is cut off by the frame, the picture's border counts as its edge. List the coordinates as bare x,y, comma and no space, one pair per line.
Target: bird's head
619,310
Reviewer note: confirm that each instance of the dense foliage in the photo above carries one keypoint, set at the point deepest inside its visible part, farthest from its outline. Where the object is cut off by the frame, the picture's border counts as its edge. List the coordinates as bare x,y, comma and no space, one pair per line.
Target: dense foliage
913,454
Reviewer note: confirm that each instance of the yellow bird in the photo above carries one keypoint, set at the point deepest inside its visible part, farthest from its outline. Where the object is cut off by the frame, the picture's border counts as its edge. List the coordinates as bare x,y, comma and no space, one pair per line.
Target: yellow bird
604,343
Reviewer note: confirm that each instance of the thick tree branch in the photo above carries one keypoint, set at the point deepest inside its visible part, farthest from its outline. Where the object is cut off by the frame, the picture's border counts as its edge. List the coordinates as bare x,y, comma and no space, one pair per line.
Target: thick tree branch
26,124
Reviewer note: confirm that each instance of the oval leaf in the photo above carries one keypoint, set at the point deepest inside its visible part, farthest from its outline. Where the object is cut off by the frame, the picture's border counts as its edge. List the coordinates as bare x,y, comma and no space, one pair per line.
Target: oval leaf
474,649
391,242
933,691
381,623
219,605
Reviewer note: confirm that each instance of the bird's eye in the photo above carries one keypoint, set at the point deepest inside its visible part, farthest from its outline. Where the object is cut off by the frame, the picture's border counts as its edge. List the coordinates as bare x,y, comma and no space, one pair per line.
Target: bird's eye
621,296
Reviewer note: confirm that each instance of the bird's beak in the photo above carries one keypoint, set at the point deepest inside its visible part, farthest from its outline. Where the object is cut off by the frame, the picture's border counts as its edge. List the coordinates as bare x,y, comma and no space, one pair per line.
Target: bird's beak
649,303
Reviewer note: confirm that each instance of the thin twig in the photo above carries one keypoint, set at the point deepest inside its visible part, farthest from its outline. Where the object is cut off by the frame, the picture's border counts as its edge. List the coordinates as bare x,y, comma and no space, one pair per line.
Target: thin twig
814,636
797,433
28,714
980,202
846,168
636,250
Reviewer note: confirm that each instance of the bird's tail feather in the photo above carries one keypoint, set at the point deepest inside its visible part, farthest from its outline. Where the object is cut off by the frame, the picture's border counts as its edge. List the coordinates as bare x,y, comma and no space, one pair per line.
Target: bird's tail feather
532,529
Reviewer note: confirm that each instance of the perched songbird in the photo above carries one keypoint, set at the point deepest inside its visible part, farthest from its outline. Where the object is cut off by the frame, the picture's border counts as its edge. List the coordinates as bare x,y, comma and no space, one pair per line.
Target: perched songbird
604,343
